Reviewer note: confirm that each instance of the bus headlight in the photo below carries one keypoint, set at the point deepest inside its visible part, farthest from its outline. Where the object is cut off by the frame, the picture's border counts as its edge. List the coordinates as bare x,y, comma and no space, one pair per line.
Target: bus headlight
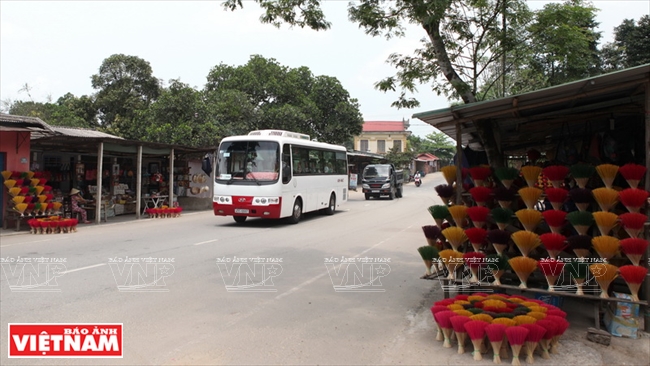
265,201
224,200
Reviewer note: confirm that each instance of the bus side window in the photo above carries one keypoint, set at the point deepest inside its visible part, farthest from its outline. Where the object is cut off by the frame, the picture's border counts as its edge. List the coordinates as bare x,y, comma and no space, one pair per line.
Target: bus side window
286,164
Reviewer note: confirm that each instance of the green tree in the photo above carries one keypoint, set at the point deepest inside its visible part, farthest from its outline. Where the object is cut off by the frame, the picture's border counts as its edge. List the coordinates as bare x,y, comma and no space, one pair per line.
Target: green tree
68,111
126,87
631,46
401,159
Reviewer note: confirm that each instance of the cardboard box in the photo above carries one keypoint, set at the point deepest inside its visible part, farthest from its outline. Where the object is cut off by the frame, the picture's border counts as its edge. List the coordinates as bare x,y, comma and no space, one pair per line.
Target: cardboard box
550,299
621,318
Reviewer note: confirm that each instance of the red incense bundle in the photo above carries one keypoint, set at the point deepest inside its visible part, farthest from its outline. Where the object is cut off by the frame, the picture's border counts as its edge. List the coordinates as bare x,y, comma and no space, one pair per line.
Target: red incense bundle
474,260
556,174
633,173
634,248
444,322
633,276
562,327
476,331
476,237
552,269
478,215
535,334
555,220
553,243
556,196
633,223
516,337
545,342
495,333
458,323
480,174
556,312
633,198
436,308
481,195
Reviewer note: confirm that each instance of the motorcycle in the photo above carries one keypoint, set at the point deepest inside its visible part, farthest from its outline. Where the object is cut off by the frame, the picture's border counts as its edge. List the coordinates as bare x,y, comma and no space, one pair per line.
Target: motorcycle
418,182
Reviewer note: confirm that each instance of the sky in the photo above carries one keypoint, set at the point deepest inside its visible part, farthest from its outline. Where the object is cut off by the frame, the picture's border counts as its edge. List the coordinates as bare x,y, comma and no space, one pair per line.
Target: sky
55,46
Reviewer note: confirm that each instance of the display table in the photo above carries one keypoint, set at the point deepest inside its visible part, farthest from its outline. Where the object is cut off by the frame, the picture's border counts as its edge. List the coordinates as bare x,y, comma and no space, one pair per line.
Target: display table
15,216
152,202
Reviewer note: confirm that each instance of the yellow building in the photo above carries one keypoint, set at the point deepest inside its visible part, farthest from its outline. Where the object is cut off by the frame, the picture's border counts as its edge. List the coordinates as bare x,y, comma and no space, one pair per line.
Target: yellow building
379,137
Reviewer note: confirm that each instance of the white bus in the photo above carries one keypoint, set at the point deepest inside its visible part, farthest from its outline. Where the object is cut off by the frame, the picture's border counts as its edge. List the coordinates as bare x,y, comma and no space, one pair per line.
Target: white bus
276,174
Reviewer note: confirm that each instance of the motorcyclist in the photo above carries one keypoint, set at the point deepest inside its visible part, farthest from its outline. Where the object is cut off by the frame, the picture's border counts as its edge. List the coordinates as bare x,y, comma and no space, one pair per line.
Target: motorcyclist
417,179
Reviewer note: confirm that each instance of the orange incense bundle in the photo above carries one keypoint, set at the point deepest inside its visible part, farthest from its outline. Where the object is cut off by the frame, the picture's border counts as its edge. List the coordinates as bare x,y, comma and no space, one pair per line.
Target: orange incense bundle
605,246
607,173
516,337
443,318
478,215
633,223
526,241
449,172
476,237
504,196
581,197
481,195
480,174
556,196
435,309
455,236
633,276
580,244
633,198
445,192
556,174
634,248
553,243
605,221
604,274
499,239
606,198
458,324
530,196
495,333
552,269
458,214
452,260
524,319
555,220
474,260
529,218
633,173
535,334
531,173
476,331
523,267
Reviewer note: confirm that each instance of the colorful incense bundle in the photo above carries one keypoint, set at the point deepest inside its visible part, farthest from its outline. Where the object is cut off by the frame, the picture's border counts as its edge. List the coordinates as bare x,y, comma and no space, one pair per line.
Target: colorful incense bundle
428,254
529,218
605,246
545,343
633,276
498,264
474,260
526,241
452,260
530,196
458,214
480,174
443,318
633,223
555,220
578,271
502,216
552,269
439,213
605,221
556,174
506,175
604,274
524,319
432,234
581,197
476,331
455,236
449,172
495,334
556,196
562,327
499,239
523,267
580,244
478,215
516,337
606,198
582,173
481,195
581,221
476,237
435,309
535,334
633,173
633,198
458,324
634,249
553,243
504,196
607,173
531,173
445,192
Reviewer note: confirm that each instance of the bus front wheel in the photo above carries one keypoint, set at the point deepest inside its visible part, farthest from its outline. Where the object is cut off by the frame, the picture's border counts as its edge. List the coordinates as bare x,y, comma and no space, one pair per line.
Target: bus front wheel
296,213
239,219
332,206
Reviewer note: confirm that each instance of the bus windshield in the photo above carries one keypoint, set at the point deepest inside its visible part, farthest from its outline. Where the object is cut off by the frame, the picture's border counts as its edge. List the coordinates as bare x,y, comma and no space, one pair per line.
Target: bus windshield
248,161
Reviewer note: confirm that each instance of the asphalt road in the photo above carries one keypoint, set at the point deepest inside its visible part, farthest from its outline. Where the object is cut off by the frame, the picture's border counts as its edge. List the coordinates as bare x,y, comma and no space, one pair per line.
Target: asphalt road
192,318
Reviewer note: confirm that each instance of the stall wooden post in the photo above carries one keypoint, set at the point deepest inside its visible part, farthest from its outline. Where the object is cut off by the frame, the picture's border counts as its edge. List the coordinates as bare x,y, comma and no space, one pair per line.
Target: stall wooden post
170,184
100,169
459,164
647,188
138,184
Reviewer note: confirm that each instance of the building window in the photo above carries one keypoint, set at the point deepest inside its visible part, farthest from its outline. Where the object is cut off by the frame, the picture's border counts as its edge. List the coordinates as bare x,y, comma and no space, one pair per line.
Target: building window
397,145
363,145
381,146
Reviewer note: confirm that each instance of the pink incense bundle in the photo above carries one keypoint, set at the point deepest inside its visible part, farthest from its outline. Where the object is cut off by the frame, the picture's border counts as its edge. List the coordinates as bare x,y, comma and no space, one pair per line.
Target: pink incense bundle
553,243
474,260
552,269
633,223
633,173
634,249
545,342
458,324
480,174
481,195
535,334
556,174
436,308
443,318
478,215
562,326
495,333
633,198
476,331
556,196
555,220
516,337
476,237
633,276
556,312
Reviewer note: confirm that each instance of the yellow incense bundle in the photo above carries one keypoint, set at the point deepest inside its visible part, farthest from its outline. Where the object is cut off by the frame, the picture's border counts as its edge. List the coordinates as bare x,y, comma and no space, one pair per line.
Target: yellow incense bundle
526,241
524,319
606,198
530,196
459,214
607,173
531,173
605,221
455,236
529,218
605,246
449,172
604,274
523,267
452,260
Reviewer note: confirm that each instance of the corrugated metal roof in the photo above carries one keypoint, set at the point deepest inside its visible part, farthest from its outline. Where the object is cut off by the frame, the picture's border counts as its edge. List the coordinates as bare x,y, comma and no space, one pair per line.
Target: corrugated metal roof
384,126
83,132
28,123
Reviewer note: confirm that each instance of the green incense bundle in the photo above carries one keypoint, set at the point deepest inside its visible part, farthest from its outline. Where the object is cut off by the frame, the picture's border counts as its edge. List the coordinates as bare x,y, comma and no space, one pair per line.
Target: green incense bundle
475,310
502,216
498,264
581,221
578,270
506,175
439,213
428,254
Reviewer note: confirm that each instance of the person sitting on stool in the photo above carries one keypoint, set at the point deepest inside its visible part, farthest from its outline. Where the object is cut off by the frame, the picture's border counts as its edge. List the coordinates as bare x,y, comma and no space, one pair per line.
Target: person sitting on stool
76,199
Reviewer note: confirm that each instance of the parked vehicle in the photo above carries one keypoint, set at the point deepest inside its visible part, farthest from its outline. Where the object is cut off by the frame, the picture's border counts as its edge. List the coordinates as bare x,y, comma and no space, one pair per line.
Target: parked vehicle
382,180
